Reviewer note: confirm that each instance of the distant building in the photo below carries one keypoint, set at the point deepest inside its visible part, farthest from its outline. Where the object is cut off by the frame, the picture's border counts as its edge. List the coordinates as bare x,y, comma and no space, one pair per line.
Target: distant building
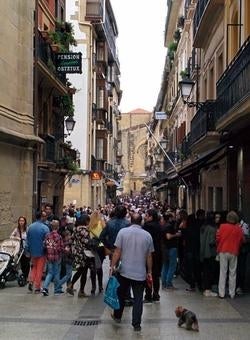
96,134
134,147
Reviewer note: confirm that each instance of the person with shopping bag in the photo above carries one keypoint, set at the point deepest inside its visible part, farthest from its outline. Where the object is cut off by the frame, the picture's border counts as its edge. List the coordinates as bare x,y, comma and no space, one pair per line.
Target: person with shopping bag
133,252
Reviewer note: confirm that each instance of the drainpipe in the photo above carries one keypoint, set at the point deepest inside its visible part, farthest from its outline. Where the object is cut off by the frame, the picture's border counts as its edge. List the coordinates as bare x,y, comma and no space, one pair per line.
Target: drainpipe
91,141
35,111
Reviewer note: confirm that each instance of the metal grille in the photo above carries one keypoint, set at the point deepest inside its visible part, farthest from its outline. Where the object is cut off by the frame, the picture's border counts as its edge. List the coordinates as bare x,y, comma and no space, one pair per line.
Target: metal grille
85,323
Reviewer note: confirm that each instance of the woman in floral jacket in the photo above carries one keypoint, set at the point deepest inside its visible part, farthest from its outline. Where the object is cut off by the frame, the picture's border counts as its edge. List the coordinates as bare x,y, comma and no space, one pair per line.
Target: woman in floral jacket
84,259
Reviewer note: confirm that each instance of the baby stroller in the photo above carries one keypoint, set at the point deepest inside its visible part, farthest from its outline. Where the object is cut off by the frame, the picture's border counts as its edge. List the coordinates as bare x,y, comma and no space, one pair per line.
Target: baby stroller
10,255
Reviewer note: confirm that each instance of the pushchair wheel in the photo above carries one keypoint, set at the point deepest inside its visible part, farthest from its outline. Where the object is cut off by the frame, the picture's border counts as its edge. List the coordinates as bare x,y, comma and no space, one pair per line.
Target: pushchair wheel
21,281
2,283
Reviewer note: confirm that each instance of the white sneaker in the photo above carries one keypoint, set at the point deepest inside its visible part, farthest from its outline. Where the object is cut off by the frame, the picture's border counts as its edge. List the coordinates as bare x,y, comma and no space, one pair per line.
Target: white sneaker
209,293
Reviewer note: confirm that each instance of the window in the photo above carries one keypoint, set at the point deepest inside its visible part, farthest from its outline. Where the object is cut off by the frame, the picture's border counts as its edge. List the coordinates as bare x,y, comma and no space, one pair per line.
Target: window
219,199
220,65
211,83
100,98
99,148
210,199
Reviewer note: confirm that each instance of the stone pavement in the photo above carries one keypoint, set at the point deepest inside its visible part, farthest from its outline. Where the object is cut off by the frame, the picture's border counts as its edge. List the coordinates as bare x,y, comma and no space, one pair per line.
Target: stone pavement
34,317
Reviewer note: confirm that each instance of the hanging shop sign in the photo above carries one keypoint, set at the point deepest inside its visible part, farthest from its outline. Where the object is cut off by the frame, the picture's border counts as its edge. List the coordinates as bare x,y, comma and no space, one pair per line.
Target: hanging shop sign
95,175
69,62
160,115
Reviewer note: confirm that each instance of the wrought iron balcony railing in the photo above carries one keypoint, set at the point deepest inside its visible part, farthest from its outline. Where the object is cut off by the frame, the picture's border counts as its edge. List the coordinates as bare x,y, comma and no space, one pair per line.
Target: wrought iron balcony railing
234,84
47,56
202,123
94,10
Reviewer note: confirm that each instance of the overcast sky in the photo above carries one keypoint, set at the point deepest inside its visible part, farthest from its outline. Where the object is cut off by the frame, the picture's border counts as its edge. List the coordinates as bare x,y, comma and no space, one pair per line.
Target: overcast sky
141,50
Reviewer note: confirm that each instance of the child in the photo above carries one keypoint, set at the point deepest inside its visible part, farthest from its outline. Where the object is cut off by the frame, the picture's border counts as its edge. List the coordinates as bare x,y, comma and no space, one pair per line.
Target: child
53,244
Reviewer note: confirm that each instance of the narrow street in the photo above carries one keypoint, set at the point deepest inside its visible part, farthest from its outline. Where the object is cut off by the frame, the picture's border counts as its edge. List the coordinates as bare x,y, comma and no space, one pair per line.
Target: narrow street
34,317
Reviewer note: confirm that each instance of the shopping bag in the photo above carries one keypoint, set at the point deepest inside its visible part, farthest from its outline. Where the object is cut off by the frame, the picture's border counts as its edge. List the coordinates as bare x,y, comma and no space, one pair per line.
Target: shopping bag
110,295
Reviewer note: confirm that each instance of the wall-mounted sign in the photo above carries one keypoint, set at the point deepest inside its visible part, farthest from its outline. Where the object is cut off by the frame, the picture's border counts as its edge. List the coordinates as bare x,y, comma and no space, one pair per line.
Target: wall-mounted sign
69,62
95,175
160,115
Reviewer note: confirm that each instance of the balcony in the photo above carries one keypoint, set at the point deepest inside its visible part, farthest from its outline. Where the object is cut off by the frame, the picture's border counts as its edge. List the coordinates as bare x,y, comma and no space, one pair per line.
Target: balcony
101,69
108,168
206,14
47,56
97,164
233,91
49,149
95,10
99,116
203,128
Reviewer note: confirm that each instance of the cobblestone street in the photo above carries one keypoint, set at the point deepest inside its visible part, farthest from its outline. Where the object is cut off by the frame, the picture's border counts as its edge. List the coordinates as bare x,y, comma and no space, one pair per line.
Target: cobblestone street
34,317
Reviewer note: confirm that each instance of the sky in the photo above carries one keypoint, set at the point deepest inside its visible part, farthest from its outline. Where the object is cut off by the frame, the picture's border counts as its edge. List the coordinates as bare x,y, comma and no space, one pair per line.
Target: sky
141,50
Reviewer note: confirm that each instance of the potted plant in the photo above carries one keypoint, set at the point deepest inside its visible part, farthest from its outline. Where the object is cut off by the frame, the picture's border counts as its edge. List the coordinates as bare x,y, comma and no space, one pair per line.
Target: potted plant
63,36
177,35
67,106
55,48
71,90
184,74
181,21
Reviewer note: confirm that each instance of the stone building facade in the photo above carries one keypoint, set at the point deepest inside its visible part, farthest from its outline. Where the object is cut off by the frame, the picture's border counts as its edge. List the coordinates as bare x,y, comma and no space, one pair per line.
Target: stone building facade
134,149
96,104
17,137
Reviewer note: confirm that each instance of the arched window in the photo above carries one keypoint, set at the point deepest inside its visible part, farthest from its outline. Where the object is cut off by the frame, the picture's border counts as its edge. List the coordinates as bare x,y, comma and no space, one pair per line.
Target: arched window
234,34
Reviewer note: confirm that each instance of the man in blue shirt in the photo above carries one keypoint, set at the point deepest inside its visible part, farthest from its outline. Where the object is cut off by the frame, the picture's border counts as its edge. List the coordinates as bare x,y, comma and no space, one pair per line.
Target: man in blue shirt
114,225
34,246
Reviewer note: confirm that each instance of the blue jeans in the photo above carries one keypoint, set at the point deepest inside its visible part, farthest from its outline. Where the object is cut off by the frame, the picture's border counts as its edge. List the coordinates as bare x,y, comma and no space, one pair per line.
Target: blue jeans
53,273
168,267
67,276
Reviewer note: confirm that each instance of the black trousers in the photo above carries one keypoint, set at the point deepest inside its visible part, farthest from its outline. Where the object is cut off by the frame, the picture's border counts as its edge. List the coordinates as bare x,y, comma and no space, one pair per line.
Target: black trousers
208,273
138,289
82,272
193,269
25,265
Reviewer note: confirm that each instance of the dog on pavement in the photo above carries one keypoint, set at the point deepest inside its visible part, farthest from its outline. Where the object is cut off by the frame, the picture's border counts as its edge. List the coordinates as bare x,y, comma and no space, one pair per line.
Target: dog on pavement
188,318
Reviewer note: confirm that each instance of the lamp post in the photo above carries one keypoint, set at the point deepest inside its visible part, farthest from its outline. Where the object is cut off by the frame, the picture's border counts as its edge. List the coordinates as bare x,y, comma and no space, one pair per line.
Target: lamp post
186,87
69,124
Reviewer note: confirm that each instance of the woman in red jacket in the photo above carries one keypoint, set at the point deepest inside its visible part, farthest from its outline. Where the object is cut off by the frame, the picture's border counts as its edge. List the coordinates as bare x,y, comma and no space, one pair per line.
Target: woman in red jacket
229,238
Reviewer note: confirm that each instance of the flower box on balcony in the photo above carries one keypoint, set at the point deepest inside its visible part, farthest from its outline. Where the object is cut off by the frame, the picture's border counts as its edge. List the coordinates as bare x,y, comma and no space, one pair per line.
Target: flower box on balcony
55,48
71,90
46,36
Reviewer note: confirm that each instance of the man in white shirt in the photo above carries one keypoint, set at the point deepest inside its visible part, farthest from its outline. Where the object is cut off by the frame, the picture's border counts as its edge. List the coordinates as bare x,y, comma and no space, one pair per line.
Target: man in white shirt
133,249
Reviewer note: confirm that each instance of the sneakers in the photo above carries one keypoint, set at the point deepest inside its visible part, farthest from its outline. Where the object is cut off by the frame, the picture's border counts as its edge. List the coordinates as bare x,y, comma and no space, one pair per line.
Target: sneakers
148,302
156,298
82,294
37,291
30,287
70,291
115,319
209,293
190,289
137,328
59,293
45,292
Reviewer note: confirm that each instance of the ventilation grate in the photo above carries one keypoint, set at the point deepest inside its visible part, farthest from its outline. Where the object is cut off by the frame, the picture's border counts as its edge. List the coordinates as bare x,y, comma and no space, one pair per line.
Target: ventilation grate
85,323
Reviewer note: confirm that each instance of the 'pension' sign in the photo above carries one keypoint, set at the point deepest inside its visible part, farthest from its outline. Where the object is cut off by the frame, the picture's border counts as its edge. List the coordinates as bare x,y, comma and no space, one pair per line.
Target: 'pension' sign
69,62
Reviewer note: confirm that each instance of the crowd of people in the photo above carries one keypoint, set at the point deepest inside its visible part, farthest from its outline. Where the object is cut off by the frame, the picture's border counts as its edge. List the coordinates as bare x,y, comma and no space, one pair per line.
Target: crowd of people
148,245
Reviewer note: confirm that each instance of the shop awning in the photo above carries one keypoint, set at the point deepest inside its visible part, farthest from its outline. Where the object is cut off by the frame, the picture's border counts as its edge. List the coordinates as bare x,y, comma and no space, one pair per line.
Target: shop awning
110,182
204,159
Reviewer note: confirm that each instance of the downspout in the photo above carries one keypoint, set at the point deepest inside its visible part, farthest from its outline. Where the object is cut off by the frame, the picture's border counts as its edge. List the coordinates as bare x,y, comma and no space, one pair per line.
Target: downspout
91,139
35,111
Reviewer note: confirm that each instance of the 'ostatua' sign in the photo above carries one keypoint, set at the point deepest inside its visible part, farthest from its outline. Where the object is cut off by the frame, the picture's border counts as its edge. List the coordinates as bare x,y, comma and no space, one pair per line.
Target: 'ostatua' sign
69,62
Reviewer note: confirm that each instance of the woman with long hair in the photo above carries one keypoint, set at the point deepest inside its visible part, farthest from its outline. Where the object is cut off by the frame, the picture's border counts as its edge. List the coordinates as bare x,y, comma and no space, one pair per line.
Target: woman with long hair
21,232
84,258
96,226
